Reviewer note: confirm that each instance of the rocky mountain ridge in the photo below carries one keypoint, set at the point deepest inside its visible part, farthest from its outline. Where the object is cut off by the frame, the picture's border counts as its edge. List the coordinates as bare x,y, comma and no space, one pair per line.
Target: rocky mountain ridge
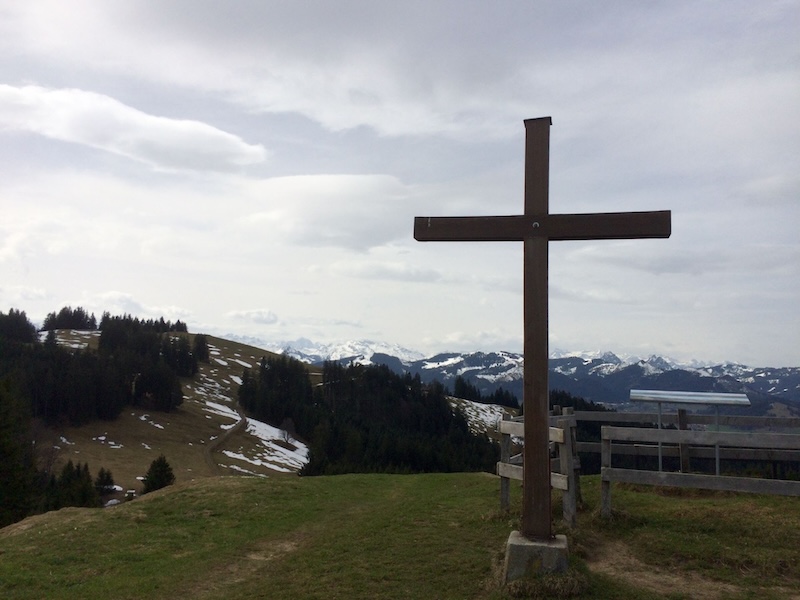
602,377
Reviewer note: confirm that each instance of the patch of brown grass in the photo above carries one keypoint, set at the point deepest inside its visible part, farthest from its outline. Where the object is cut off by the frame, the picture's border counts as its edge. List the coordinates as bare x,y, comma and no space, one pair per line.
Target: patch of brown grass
572,583
617,560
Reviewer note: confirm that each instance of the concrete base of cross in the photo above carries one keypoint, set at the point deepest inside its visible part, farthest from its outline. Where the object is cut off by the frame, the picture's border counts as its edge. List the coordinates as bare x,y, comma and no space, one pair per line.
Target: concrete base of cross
532,557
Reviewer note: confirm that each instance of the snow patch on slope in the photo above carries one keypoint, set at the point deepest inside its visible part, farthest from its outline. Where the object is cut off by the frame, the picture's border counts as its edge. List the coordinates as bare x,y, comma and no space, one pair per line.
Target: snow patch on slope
481,418
276,449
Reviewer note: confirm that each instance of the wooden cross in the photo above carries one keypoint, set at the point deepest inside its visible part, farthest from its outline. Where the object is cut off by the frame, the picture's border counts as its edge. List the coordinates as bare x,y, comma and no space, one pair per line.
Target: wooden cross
535,229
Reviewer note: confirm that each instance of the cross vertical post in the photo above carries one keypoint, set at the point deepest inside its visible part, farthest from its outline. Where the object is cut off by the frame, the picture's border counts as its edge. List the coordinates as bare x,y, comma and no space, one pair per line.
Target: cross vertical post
536,509
536,228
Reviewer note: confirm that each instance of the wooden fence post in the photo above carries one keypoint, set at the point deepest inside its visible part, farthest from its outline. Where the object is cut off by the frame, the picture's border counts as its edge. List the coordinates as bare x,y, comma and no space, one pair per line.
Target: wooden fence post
605,485
505,456
683,448
576,461
567,467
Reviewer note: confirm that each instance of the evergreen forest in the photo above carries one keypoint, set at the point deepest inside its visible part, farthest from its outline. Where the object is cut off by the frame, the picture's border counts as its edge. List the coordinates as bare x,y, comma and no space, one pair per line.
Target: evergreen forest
137,363
365,419
464,389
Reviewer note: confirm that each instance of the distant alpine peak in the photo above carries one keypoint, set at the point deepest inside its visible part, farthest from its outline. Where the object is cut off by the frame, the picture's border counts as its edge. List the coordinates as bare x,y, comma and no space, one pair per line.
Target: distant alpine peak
356,351
588,355
362,351
658,363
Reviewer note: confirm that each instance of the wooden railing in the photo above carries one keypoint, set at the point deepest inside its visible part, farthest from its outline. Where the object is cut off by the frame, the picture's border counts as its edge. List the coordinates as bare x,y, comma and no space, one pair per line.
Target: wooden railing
564,469
683,421
771,442
680,443
692,419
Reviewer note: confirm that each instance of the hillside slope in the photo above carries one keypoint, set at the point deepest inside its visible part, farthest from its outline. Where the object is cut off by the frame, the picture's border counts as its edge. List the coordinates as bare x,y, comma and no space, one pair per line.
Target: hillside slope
206,436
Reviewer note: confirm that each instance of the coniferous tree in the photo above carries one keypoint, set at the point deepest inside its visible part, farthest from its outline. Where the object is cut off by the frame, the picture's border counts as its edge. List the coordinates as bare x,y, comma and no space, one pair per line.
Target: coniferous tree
502,397
104,483
17,469
88,495
69,318
15,327
159,475
200,348
463,389
177,353
75,487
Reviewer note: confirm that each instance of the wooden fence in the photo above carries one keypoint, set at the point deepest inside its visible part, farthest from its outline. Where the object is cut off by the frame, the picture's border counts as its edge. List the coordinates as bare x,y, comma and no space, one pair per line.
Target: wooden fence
682,443
564,468
743,444
682,420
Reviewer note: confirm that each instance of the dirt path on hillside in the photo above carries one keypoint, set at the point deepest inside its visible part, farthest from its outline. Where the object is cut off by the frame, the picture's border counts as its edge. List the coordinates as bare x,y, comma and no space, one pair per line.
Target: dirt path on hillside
616,560
209,450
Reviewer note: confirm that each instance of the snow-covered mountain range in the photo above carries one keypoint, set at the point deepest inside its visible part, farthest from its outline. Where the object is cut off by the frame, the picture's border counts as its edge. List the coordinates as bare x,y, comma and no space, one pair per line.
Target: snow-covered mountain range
597,376
358,351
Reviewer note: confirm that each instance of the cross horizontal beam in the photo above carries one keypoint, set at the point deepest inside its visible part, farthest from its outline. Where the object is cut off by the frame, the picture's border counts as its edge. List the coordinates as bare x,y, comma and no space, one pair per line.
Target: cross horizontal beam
589,226
536,227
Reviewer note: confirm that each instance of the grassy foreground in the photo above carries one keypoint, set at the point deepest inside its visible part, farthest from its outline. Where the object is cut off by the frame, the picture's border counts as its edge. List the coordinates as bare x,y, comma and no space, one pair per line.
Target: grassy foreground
393,536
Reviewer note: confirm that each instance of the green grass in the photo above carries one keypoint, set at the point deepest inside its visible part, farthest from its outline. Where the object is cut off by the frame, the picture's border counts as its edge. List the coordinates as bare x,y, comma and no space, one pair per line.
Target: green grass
393,536
350,536
734,538
745,545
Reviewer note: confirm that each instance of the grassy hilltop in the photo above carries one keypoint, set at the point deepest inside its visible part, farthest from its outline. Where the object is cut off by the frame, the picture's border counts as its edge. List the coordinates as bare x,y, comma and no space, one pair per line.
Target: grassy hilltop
394,536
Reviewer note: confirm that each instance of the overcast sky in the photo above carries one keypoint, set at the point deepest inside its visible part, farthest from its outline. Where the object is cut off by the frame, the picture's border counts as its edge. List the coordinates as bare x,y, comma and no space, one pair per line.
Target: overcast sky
255,167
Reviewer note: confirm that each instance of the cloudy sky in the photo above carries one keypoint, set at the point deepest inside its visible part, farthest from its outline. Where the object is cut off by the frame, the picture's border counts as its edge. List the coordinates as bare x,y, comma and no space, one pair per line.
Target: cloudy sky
255,167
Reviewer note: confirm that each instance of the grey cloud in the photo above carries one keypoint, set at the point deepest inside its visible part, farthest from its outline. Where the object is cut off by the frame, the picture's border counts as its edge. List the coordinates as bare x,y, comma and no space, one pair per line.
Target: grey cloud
387,271
101,122
592,296
12,295
356,212
453,68
701,258
117,303
262,316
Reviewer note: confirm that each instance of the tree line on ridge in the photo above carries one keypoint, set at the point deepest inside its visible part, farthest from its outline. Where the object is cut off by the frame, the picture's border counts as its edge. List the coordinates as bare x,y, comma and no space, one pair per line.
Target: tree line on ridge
137,363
